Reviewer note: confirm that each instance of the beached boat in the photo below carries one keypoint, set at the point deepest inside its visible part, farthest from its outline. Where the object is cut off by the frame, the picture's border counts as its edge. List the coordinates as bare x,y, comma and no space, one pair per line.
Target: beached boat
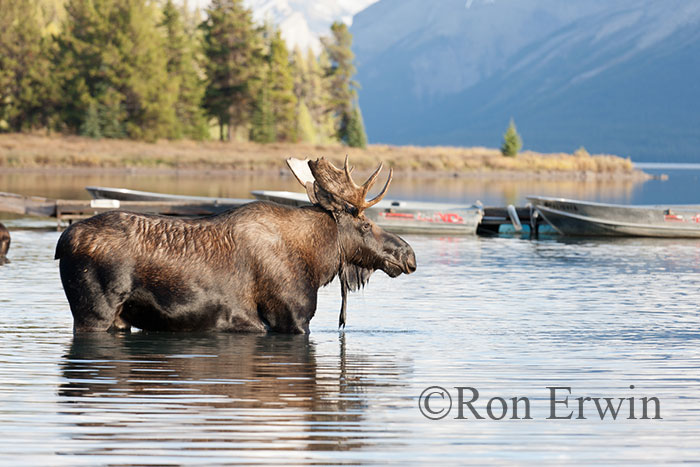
124,194
411,217
586,218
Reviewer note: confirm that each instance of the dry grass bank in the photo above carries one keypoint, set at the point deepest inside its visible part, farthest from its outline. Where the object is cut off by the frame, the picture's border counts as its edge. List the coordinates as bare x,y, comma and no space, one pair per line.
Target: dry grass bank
37,152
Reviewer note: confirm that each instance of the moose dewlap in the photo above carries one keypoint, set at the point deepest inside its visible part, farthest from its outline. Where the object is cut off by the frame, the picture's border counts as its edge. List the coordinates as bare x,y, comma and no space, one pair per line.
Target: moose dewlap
256,268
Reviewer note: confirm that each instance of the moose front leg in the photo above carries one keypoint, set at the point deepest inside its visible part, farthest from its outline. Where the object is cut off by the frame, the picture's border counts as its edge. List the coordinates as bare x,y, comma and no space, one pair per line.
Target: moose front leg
289,311
344,305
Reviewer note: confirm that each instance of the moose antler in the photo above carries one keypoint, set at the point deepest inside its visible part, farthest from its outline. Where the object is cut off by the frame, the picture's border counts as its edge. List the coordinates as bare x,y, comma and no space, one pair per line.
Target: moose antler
340,183
322,174
300,169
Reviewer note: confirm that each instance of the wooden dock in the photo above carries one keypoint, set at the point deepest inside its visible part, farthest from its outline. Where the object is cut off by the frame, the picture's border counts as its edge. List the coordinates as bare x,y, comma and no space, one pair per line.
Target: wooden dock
495,218
73,210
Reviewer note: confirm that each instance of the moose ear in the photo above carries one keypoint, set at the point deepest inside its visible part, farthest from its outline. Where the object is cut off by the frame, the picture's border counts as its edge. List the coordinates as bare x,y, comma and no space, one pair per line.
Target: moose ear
330,202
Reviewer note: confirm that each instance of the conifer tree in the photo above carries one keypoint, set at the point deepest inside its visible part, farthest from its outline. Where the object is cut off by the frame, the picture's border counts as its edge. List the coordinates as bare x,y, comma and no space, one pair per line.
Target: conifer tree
110,51
26,90
340,72
232,50
320,97
281,84
300,74
511,141
92,126
183,73
263,120
355,136
306,130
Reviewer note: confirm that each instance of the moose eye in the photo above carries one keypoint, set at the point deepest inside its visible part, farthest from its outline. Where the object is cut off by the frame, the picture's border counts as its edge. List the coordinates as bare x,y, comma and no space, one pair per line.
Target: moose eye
365,227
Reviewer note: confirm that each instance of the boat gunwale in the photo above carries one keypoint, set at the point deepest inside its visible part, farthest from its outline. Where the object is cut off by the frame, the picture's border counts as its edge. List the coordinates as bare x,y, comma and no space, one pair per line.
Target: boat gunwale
605,222
688,207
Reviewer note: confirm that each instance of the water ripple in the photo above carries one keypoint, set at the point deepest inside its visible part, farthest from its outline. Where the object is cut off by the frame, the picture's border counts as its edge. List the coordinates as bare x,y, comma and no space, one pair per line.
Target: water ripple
507,317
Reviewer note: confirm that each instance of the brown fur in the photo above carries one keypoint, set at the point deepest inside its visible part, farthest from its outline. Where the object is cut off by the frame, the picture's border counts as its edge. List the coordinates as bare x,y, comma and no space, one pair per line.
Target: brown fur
255,268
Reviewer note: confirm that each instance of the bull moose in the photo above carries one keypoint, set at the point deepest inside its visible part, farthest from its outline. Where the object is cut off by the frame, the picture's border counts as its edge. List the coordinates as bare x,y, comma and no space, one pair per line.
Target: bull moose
255,268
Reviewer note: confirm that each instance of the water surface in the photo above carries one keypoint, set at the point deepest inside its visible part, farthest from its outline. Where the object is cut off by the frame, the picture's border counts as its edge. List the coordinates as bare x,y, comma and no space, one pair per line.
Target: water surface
71,185
508,317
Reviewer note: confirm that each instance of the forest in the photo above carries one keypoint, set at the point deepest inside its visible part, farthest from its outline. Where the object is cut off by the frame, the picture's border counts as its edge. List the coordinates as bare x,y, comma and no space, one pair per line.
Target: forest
149,70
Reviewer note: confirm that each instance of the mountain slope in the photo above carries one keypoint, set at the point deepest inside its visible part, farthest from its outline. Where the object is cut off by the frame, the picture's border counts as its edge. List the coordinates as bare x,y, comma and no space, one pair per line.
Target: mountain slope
614,76
302,22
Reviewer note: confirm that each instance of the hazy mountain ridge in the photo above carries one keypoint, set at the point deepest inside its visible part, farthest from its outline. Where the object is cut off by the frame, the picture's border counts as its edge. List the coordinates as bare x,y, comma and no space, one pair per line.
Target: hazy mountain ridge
617,77
302,22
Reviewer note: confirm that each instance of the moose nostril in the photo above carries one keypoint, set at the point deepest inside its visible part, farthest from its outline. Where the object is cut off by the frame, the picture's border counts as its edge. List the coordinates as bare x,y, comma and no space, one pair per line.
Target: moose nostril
411,263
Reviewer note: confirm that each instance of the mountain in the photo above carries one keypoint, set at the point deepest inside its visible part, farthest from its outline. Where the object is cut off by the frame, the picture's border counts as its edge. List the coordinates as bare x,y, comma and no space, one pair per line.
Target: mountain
615,76
303,22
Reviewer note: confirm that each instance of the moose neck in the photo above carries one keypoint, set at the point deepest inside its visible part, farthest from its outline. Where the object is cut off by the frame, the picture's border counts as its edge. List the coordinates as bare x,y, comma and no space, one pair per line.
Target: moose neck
317,236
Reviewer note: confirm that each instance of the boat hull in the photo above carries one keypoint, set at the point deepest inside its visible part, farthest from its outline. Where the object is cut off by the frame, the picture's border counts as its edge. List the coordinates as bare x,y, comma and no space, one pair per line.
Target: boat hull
403,217
583,218
124,194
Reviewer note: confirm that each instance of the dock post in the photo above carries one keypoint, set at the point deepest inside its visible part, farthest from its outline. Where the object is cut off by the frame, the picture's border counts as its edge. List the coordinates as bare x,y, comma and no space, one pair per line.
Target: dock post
534,222
513,214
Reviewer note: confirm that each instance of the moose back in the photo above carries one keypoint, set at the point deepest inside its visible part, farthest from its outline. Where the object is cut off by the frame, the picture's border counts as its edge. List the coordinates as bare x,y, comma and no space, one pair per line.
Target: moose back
256,268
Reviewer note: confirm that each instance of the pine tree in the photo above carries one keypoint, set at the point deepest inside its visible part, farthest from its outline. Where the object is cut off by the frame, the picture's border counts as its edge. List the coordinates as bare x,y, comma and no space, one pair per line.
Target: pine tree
263,120
232,49
110,51
26,90
306,131
281,84
511,141
183,73
149,94
305,128
355,136
320,97
339,74
299,74
92,127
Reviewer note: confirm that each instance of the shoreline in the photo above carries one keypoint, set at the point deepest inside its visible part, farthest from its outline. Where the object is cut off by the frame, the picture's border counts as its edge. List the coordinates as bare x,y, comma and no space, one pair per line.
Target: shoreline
637,175
31,153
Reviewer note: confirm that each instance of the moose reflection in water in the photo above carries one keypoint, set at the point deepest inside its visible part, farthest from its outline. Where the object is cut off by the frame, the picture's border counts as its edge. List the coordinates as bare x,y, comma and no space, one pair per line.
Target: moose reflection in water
235,389
256,268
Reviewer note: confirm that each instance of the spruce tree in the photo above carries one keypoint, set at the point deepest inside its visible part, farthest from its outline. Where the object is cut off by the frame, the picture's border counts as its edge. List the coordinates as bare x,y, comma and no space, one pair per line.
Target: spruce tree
320,97
305,128
26,89
281,84
183,73
91,126
262,128
150,97
110,51
339,74
511,141
232,49
356,136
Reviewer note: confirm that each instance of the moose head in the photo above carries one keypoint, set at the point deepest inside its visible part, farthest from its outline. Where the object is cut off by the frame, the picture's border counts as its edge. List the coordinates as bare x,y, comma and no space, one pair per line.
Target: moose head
364,246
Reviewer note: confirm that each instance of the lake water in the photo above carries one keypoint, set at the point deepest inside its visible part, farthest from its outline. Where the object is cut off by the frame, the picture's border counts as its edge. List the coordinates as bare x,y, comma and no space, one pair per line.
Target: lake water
681,186
508,317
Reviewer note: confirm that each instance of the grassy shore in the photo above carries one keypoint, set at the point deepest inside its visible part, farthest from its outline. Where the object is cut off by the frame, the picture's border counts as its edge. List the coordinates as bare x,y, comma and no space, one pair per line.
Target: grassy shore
20,151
